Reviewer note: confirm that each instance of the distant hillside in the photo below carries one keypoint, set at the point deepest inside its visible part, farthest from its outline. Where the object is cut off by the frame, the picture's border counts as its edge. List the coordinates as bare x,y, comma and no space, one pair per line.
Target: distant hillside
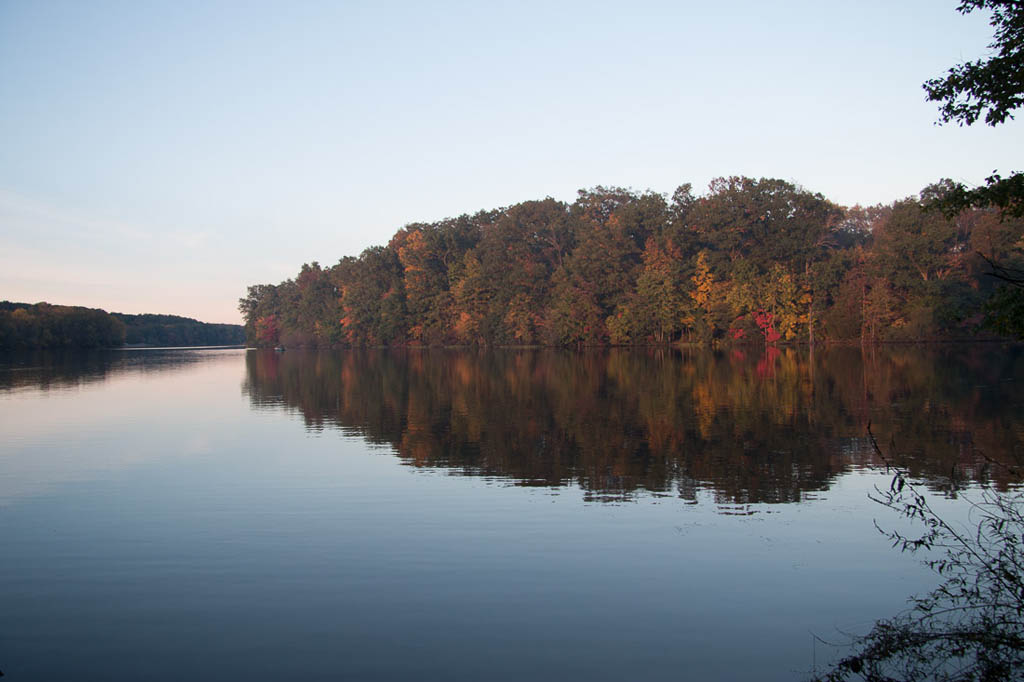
43,325
172,330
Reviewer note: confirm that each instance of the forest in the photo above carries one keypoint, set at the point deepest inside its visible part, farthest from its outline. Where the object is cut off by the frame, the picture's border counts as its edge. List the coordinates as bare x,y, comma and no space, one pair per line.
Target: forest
42,325
172,330
751,260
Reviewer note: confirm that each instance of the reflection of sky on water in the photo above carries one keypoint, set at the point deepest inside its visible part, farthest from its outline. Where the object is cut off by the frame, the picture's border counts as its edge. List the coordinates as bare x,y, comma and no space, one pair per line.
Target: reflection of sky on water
157,527
124,408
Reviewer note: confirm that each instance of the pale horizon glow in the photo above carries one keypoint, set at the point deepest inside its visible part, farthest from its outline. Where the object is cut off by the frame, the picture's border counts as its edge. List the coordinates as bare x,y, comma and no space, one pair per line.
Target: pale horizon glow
161,157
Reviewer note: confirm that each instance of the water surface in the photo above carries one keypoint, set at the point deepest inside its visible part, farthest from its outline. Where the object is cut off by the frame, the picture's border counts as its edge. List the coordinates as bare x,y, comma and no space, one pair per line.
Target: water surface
469,515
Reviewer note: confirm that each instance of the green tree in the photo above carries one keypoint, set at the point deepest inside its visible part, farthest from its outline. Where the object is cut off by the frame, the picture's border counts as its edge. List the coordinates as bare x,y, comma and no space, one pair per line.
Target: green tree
474,294
512,262
923,256
372,298
660,289
42,325
600,273
993,87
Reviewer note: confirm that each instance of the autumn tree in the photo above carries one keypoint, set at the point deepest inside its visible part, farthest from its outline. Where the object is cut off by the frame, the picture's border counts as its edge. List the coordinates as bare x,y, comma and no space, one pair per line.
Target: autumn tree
506,278
660,286
601,271
702,293
427,284
618,266
260,308
372,298
751,226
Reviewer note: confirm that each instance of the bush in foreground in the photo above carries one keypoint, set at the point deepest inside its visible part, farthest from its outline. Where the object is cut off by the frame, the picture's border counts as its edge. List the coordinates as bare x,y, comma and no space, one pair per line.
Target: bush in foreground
972,626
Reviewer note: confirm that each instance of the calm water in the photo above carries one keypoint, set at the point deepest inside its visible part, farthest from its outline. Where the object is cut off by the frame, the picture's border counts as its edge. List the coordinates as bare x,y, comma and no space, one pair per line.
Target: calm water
460,515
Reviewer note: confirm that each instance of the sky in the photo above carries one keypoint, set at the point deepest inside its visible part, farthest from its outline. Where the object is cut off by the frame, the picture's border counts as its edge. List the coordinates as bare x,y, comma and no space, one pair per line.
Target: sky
163,156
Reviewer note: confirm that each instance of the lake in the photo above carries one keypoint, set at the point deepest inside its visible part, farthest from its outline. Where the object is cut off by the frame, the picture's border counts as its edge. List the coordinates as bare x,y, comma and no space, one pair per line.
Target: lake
465,515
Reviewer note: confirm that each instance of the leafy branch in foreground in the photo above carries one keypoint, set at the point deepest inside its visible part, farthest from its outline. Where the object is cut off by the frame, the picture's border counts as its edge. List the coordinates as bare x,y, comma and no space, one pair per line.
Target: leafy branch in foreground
991,89
1003,193
972,626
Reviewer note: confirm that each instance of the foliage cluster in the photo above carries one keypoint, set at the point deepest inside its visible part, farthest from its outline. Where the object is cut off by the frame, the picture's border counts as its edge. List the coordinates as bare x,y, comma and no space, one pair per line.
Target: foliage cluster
991,88
750,259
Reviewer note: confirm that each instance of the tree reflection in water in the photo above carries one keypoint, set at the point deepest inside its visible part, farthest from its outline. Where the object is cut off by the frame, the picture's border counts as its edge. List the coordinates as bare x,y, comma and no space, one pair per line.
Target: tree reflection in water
750,426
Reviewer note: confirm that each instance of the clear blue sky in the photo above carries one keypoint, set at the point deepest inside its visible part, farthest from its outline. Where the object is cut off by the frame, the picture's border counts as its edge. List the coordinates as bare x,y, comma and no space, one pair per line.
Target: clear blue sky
160,157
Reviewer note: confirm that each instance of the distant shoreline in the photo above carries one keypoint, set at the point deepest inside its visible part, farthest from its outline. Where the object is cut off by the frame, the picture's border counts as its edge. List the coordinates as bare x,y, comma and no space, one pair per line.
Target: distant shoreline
143,346
672,345
34,326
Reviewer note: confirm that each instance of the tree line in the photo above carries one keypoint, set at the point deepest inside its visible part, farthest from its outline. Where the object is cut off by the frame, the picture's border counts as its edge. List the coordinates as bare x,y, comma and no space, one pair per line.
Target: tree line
172,330
752,259
42,325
